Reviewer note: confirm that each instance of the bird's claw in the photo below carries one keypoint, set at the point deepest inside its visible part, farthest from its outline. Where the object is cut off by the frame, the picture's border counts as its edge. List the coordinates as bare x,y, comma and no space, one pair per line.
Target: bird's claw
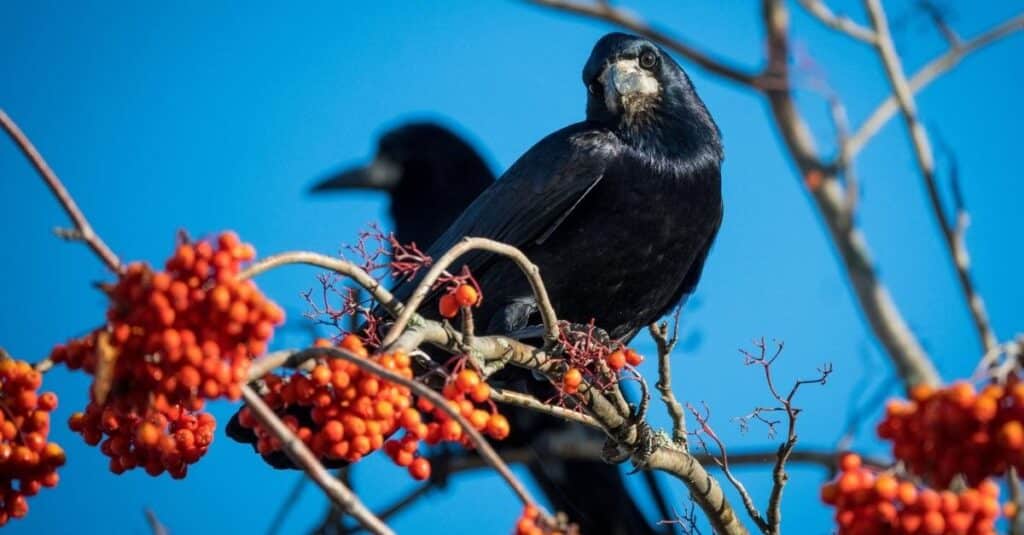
646,444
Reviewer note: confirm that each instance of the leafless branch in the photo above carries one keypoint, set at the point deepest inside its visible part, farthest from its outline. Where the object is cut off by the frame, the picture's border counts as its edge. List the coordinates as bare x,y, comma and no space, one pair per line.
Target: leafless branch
155,526
927,74
605,12
83,230
666,343
779,475
925,160
337,265
722,460
840,23
529,269
527,401
297,451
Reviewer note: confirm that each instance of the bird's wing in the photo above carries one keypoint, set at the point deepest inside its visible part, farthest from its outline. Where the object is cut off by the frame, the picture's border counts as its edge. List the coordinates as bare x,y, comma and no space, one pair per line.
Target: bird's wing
693,273
533,197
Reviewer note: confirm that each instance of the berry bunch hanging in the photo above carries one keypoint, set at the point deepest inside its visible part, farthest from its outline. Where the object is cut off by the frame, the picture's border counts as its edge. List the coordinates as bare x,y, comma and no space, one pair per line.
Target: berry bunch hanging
28,461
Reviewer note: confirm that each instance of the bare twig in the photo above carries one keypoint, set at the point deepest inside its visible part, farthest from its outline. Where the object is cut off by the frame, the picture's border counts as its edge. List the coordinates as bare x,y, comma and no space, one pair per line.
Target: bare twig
722,460
779,475
925,160
83,230
881,312
155,526
342,267
510,397
297,451
607,13
665,345
927,74
529,269
840,23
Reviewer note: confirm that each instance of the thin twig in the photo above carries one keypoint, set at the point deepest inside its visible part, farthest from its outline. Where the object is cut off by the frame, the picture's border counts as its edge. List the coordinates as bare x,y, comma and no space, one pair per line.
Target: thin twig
925,160
337,265
927,74
529,269
155,526
518,399
83,230
665,345
297,451
840,23
607,13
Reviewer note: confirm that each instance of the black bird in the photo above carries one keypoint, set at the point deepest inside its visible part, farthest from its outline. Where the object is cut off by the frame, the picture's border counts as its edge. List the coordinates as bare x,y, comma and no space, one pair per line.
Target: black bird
619,212
430,173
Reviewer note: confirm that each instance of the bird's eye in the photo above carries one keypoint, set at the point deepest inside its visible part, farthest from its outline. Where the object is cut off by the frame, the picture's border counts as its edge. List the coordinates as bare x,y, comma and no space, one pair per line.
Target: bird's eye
648,59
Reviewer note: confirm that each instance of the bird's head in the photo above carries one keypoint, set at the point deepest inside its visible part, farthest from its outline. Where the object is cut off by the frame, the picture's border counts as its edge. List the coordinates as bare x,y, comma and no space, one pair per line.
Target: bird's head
423,153
634,85
429,173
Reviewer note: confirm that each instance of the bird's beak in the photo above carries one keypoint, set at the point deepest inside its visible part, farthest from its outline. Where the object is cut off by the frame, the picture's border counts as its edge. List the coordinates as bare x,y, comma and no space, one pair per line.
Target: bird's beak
382,174
625,82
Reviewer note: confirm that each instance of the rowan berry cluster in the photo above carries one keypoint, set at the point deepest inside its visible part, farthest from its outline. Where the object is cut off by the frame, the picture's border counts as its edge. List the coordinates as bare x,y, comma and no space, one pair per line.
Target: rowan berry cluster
352,413
954,430
869,503
28,461
173,339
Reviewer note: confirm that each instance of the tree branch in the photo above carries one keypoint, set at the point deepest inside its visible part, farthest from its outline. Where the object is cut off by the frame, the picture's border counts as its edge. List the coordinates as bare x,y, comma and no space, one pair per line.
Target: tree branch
665,345
840,23
934,69
83,230
529,269
926,162
297,451
605,12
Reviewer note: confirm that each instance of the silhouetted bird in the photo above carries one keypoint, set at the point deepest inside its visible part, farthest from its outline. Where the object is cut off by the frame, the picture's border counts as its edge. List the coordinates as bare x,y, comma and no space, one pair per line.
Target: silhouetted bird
619,212
430,173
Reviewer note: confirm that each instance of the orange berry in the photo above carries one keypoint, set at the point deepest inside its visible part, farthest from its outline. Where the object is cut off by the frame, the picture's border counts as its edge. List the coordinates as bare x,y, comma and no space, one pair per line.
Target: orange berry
572,378
420,469
480,393
887,486
633,358
497,427
1011,435
467,380
448,306
466,295
848,462
616,360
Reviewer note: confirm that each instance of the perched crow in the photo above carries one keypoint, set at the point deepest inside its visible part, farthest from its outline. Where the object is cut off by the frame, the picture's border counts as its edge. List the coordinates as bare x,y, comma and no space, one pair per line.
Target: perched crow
430,173
619,212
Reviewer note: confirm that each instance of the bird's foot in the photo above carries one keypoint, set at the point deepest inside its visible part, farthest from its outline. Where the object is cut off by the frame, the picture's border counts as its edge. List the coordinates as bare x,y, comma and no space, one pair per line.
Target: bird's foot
646,444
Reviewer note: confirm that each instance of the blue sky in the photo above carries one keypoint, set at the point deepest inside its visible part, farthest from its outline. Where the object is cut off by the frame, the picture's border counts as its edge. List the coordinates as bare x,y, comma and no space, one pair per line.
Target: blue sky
205,116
